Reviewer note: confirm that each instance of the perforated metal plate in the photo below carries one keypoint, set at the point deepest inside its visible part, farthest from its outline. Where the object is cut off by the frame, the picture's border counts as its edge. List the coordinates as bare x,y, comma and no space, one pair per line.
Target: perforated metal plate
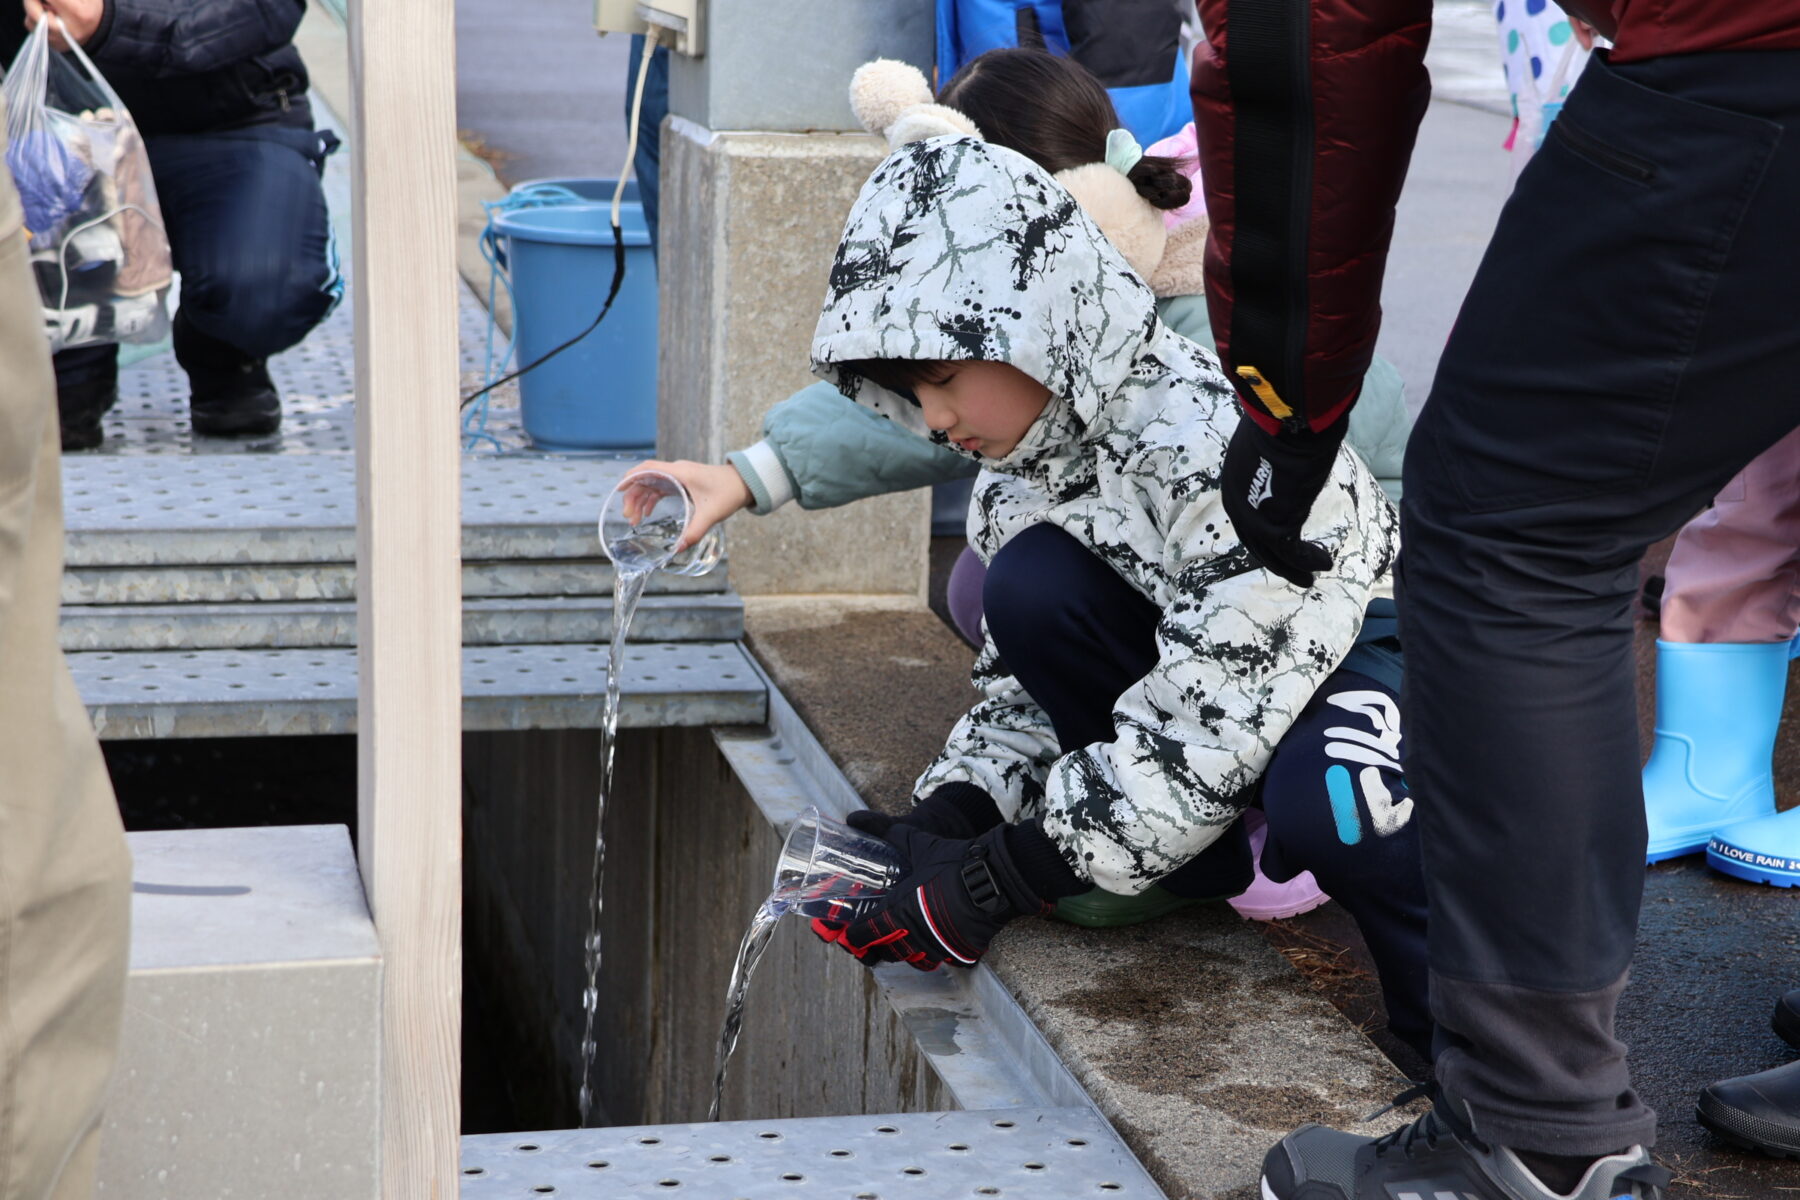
316,379
1016,1154
317,383
254,693
715,617
258,509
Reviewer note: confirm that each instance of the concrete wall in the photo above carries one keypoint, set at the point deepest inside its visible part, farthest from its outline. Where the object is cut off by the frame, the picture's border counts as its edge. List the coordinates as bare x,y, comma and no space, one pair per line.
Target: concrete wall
689,857
750,223
809,46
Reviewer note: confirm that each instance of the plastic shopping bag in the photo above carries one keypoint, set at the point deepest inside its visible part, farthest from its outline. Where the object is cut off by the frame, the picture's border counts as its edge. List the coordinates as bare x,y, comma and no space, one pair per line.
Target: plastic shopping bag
1542,59
98,247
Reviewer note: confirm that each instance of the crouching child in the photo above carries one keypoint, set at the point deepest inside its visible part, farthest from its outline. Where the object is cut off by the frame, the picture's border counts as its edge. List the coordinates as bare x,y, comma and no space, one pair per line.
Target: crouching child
1143,680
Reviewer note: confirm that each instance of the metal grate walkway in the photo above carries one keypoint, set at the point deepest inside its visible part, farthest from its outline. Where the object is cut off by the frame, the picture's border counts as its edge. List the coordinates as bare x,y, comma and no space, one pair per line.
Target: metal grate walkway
256,693
1013,1153
255,509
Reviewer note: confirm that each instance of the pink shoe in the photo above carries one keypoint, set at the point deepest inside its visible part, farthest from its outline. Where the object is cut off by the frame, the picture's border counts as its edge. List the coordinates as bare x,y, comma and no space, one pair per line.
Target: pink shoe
1266,900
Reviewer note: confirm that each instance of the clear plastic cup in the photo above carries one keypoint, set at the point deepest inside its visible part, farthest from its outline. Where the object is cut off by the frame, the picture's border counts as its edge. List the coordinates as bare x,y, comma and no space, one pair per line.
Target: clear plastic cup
642,521
830,870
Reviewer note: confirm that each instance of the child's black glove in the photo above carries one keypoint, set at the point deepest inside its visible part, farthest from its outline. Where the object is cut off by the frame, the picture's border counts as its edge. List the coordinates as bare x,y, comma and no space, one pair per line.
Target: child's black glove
956,895
955,810
1269,485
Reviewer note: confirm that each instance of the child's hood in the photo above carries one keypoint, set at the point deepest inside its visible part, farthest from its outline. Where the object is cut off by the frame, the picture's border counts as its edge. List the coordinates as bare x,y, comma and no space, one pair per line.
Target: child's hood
959,249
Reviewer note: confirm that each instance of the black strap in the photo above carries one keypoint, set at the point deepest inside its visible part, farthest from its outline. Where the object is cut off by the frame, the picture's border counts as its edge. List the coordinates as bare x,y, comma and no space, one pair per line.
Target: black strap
978,879
1651,1175
1027,31
1268,48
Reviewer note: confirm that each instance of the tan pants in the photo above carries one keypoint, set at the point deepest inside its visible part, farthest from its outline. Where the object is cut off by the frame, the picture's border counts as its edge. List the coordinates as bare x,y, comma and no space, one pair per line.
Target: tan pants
65,875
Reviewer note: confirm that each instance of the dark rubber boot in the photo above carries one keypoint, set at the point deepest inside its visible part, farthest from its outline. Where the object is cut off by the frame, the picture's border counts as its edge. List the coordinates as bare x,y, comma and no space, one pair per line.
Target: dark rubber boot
1787,1019
232,395
1759,1112
87,387
79,410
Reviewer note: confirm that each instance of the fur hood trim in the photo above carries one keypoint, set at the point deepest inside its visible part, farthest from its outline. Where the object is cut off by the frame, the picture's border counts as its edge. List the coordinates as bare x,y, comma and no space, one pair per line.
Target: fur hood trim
893,100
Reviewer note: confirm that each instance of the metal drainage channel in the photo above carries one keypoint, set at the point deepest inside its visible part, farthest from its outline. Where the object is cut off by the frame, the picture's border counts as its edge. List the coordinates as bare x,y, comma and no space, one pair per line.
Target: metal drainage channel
1014,1153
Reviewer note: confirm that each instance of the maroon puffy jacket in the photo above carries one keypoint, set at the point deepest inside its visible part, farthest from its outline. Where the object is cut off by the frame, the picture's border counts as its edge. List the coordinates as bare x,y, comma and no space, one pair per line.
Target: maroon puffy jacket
1306,113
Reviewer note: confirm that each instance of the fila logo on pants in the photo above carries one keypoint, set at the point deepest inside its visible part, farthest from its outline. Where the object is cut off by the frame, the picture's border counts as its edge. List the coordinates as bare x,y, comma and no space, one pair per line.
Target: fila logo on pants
1373,744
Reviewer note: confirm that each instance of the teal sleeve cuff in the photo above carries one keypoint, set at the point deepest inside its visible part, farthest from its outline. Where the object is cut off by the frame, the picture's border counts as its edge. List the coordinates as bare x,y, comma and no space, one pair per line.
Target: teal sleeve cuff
765,475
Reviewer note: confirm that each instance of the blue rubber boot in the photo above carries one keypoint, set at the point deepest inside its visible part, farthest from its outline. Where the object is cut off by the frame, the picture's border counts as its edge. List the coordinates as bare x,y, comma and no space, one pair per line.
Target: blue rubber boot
1717,710
1762,850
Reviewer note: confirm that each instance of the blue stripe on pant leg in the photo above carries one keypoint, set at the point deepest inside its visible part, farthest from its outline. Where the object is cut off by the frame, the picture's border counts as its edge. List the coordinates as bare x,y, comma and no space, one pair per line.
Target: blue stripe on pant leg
1343,804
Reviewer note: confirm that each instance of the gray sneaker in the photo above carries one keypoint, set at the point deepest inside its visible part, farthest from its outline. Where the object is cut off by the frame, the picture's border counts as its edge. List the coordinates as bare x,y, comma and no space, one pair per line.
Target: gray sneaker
1435,1158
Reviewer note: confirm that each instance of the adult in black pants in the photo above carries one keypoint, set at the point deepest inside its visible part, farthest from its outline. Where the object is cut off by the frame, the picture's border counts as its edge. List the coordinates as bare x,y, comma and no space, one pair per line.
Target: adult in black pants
1630,342
219,93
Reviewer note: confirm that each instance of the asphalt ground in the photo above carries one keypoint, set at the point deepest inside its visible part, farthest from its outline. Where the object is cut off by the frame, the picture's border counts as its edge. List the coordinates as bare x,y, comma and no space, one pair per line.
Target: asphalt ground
538,93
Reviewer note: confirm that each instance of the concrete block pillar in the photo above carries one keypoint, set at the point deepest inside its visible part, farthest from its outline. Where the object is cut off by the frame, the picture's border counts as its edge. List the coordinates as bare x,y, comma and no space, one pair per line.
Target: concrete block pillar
249,1058
759,169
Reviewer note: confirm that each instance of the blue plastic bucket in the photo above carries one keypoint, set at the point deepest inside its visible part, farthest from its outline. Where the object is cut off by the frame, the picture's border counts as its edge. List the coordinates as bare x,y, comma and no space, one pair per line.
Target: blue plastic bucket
600,393
594,191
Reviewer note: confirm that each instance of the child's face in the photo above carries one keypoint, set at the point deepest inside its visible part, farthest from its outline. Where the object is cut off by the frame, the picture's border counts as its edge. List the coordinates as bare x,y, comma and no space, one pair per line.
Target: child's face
985,407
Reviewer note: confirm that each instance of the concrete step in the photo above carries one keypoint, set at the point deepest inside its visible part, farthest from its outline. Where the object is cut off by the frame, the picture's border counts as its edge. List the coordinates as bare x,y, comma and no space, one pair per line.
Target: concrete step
258,693
708,617
274,583
1016,1153
238,509
250,1053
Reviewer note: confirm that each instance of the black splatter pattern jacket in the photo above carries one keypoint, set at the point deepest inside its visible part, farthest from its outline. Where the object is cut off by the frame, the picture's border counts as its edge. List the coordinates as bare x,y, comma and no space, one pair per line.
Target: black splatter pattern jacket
957,249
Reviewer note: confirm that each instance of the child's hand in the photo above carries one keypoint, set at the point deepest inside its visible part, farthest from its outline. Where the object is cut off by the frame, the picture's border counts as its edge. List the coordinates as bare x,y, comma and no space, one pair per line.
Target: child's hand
718,491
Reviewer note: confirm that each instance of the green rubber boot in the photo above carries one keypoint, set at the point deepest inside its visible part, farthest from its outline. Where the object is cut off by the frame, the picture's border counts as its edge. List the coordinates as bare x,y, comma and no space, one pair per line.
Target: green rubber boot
1099,909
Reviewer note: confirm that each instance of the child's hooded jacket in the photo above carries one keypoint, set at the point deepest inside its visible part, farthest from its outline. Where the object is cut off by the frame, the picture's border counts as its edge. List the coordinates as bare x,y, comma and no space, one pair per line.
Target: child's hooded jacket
957,249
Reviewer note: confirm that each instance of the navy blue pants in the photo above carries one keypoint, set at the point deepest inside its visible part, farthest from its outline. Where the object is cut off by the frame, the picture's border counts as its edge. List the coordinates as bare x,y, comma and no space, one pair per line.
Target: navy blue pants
250,236
1630,342
646,164
1075,635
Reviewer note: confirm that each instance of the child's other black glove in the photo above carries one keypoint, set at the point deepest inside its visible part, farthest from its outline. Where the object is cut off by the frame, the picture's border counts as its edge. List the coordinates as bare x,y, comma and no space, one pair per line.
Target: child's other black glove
955,810
1269,485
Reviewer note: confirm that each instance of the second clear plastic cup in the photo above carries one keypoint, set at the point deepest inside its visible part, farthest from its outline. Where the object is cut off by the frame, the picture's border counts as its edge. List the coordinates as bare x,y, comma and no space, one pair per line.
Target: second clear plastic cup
642,521
830,870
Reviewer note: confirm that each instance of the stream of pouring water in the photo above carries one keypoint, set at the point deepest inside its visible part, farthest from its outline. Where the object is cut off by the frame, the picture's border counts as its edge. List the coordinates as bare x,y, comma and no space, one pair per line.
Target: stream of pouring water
750,952
635,557
629,581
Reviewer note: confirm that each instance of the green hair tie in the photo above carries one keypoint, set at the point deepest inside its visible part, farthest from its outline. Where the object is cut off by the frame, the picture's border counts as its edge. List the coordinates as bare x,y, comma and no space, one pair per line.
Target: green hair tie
1122,151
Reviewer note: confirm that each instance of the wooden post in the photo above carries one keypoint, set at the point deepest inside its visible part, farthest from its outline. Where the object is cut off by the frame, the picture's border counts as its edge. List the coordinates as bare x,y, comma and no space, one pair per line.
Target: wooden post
409,717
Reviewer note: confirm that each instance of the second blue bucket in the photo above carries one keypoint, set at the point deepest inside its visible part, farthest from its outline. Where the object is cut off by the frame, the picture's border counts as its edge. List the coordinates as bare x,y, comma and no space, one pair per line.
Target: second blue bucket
600,393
